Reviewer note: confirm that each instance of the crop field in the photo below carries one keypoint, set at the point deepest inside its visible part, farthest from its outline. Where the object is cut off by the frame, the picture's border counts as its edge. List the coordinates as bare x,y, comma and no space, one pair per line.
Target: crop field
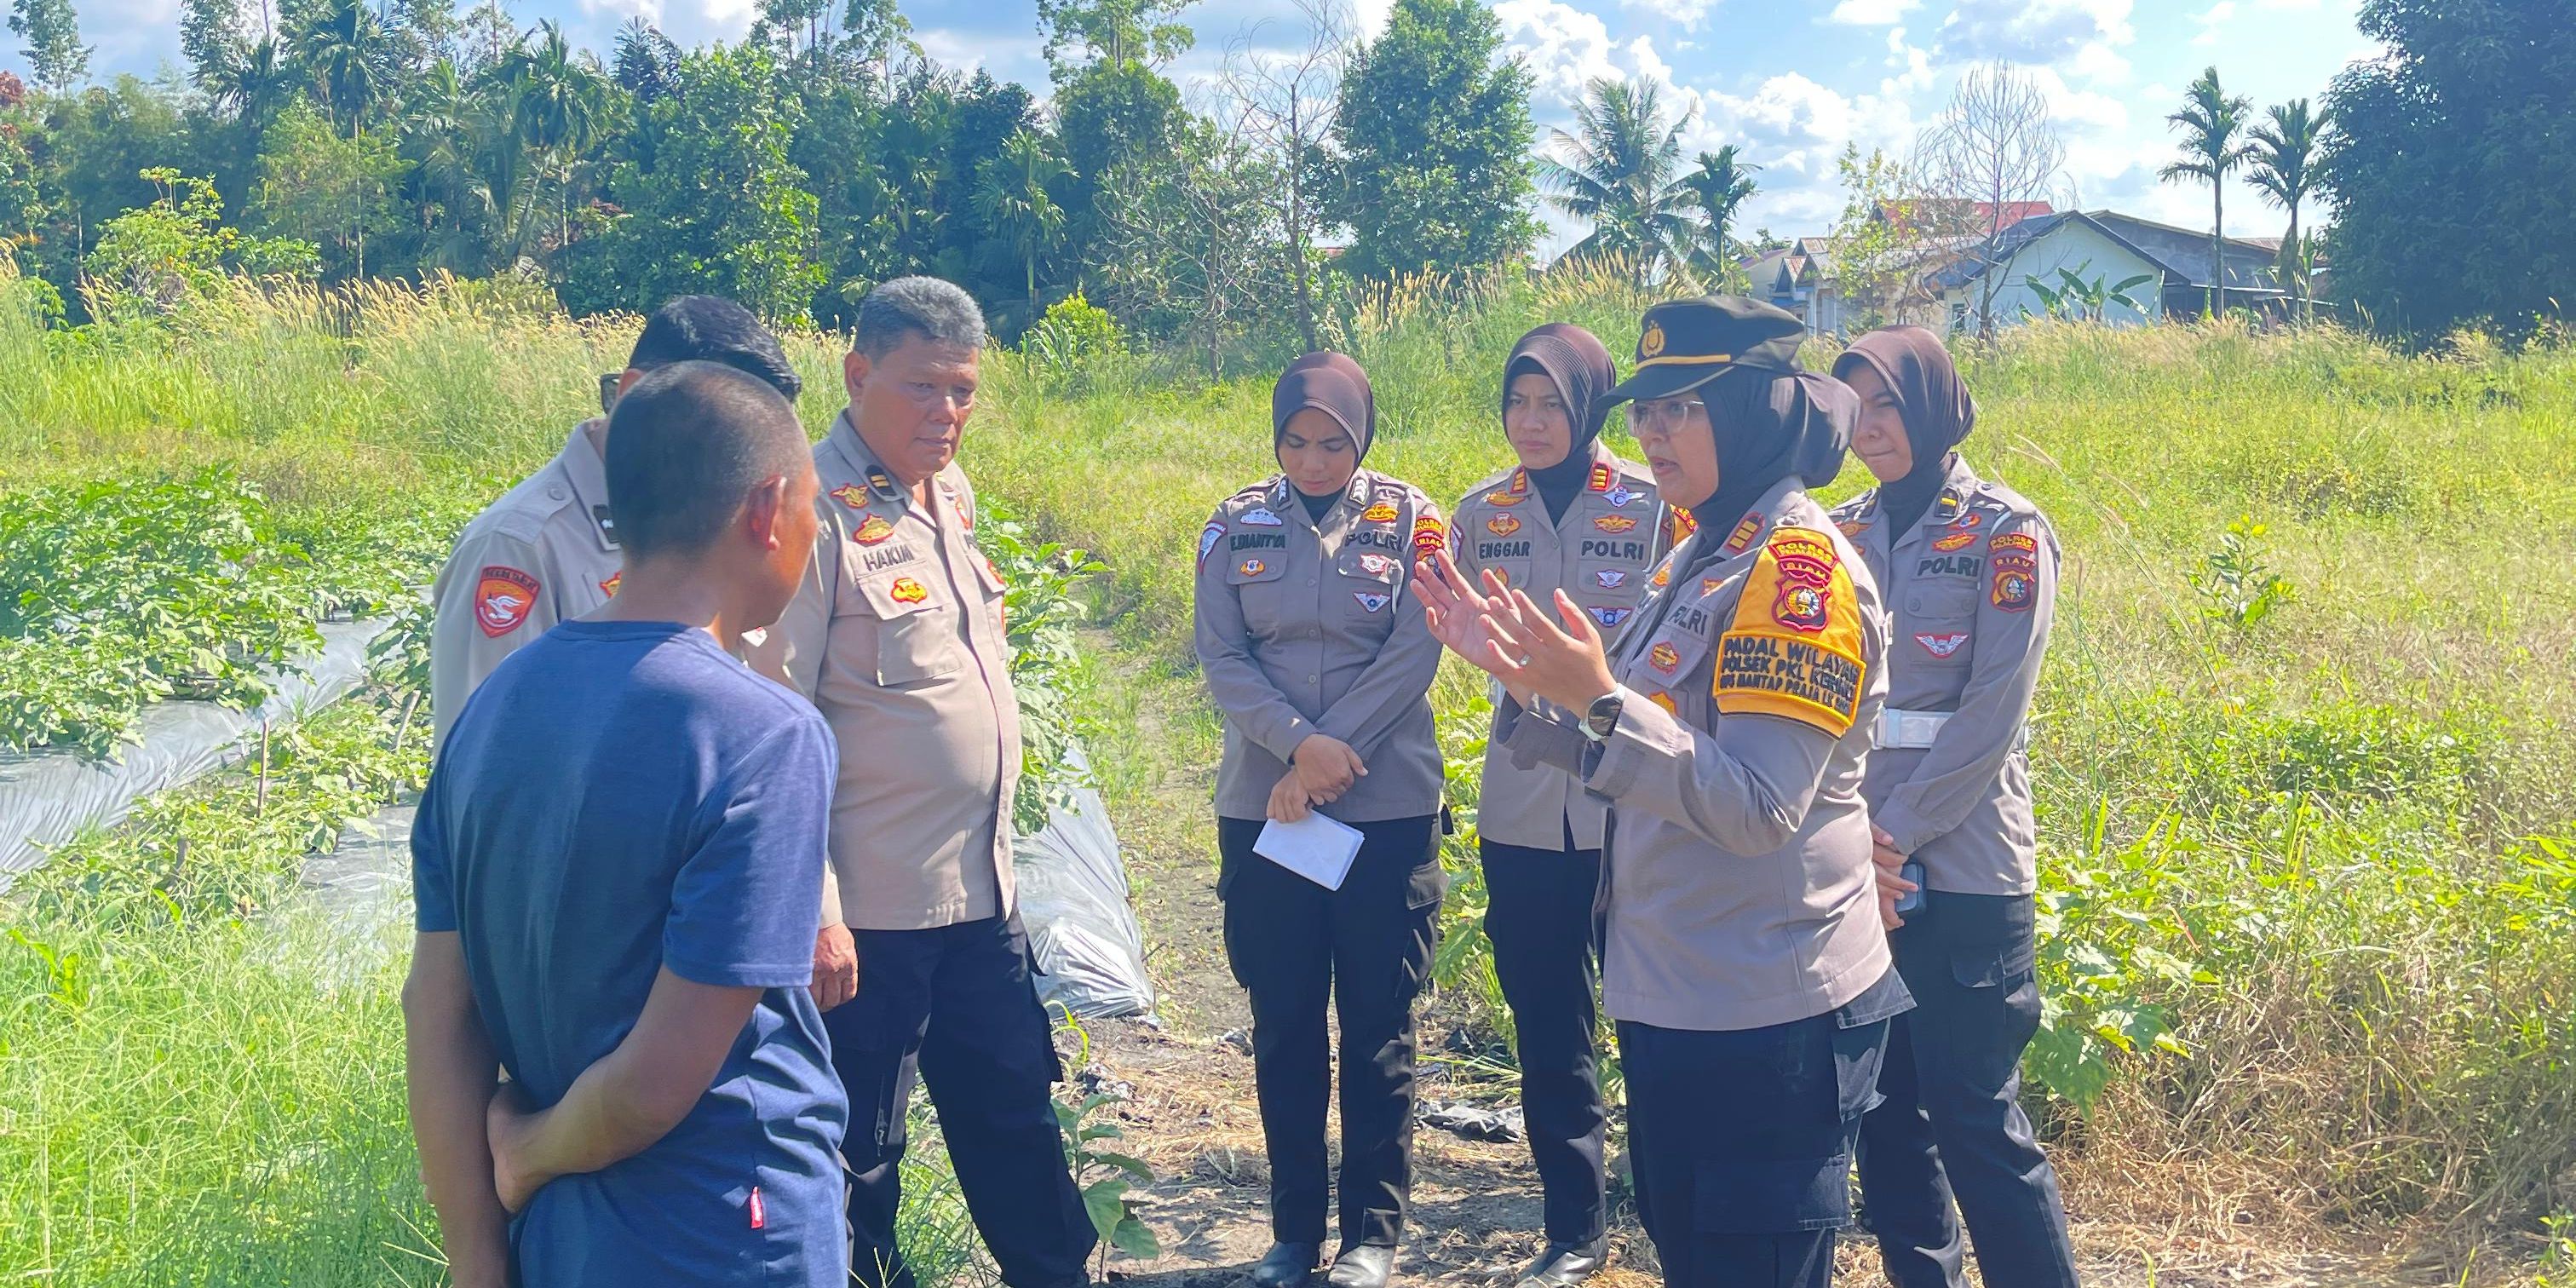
2306,746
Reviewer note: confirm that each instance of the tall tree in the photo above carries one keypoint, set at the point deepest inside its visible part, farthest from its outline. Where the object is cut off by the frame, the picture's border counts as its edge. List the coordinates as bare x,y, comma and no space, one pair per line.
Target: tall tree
1993,152
558,104
1289,101
2285,170
333,190
1435,132
344,49
1112,31
2471,108
2213,123
1615,169
253,85
1720,187
211,37
712,202
53,49
646,61
1011,194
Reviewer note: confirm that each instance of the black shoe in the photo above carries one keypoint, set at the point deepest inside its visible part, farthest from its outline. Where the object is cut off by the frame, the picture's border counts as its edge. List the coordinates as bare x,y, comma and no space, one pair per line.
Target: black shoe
1366,1266
1286,1265
1564,1265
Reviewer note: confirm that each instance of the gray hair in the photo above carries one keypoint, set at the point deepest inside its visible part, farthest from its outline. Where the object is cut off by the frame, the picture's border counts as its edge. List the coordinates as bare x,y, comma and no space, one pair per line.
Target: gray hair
926,308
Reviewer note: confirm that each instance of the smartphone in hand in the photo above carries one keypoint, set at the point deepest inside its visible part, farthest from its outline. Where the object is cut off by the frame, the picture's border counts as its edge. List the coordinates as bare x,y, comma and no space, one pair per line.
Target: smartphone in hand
1909,903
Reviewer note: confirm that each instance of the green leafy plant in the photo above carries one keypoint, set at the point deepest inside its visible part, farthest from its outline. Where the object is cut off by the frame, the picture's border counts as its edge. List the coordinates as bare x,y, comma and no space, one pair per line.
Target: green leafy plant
1073,341
2078,299
2237,586
2105,984
1040,579
1105,1177
2557,1267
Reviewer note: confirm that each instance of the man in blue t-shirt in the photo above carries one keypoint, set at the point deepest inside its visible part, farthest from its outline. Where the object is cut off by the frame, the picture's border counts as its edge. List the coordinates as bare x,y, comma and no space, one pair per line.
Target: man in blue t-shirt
618,867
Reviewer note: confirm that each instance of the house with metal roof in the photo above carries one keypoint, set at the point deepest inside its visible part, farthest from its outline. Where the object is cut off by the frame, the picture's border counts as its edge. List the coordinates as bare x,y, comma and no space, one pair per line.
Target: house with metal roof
2106,248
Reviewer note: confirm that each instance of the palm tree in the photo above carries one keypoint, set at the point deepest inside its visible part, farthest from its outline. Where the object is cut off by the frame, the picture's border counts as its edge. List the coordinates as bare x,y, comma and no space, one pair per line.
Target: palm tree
2211,119
344,48
1011,195
250,85
557,105
2285,168
440,131
1719,186
1616,169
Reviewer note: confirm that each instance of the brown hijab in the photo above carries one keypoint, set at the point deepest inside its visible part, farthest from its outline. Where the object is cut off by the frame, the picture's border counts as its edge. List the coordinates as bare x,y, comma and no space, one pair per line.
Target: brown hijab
1329,383
1935,404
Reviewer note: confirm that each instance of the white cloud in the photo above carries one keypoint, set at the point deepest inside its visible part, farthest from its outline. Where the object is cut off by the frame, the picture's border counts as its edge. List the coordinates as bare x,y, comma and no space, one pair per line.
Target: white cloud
621,10
1913,67
1870,13
1686,14
2211,19
1566,48
2032,31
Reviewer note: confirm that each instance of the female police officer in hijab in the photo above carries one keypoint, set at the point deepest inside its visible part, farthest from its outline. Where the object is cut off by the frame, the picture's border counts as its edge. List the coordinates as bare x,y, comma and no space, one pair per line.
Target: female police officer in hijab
1969,571
1570,516
1322,668
1743,957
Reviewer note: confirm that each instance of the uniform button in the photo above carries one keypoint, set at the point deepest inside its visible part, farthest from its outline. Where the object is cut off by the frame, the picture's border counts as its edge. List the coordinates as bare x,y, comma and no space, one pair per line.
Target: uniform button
554,492
1310,581
1310,679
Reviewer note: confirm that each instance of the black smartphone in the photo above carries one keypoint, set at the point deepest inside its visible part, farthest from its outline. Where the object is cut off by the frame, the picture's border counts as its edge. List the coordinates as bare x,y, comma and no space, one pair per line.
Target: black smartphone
1913,900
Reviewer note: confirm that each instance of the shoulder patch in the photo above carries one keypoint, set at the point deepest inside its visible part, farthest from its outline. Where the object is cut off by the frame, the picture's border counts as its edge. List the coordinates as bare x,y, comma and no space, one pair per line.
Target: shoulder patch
503,598
1429,536
1682,526
1794,648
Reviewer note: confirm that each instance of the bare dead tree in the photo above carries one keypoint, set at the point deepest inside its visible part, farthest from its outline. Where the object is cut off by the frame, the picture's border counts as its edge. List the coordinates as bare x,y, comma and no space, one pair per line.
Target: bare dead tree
1287,102
1192,241
1992,149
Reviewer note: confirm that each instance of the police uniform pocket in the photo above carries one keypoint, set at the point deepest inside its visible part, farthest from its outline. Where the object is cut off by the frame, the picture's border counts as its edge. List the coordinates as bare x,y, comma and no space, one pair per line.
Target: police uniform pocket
1991,967
1746,1196
1427,883
915,640
1369,581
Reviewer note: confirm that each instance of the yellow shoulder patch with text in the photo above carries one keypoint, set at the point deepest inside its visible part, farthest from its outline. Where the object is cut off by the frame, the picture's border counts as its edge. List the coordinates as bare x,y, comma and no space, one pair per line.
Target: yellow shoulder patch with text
1794,648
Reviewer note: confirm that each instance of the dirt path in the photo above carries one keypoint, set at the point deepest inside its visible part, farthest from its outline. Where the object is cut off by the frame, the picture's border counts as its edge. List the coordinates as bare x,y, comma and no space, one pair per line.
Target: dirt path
1189,1108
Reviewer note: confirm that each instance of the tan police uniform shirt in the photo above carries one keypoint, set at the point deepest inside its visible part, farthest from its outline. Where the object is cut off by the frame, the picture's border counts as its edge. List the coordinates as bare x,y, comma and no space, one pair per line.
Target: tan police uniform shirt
1306,628
897,636
1972,588
1736,879
1600,554
544,553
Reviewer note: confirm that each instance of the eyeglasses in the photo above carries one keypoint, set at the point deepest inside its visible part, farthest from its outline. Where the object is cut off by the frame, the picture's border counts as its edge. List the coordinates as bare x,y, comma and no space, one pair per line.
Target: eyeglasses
1664,416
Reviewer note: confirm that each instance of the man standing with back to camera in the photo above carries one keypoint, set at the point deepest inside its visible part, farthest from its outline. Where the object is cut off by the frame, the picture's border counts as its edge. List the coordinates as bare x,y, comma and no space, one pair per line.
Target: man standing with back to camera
897,637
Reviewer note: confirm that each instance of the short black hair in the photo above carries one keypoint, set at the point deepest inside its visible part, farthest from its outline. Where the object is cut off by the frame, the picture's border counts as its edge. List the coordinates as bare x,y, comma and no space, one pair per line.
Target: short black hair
711,328
685,444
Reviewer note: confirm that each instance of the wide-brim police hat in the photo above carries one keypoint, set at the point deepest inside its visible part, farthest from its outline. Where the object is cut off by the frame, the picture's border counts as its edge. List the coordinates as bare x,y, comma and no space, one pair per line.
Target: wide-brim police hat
1684,344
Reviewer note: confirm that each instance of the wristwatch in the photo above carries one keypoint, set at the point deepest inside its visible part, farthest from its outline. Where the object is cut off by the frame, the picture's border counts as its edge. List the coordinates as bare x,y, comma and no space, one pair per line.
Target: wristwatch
1602,717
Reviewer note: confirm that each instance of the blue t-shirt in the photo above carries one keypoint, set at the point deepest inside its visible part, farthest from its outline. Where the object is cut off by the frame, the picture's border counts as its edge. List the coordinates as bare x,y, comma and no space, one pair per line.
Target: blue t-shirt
619,797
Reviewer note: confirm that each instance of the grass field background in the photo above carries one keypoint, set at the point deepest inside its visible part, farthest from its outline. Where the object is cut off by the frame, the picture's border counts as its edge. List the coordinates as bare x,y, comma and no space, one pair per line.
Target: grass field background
2329,859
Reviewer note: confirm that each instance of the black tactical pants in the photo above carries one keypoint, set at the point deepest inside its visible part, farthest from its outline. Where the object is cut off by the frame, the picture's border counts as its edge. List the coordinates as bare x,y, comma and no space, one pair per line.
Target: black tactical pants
1539,915
1365,949
1742,1140
956,1005
1951,1128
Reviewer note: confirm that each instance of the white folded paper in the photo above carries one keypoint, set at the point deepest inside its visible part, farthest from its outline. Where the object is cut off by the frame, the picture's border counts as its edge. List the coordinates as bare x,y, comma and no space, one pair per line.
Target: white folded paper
1317,848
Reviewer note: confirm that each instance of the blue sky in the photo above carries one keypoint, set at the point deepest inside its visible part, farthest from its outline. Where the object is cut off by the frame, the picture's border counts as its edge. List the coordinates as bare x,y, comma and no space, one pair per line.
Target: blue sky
1791,81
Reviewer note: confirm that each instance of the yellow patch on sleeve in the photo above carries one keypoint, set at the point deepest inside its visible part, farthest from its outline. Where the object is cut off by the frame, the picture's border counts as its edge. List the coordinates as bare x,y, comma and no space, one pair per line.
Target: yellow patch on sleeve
1794,647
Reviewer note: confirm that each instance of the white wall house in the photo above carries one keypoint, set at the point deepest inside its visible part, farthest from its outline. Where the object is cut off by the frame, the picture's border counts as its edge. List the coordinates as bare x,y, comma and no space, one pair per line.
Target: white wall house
2070,242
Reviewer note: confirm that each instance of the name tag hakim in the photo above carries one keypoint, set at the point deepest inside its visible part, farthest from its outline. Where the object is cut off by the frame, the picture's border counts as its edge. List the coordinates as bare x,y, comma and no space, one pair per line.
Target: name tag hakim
878,560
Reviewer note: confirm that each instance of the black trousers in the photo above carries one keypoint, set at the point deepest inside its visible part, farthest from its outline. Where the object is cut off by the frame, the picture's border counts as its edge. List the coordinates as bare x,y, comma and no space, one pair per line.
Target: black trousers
956,1004
1538,912
1742,1140
1366,949
1951,1128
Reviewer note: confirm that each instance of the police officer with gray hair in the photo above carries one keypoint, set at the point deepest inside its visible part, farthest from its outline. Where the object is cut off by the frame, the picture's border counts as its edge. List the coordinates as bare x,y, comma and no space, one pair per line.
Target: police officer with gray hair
897,637
1969,568
1743,956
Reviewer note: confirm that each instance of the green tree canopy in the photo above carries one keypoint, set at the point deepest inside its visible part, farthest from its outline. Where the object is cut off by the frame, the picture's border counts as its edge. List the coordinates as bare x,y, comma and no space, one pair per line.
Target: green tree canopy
53,49
2213,124
2449,164
1434,130
1615,170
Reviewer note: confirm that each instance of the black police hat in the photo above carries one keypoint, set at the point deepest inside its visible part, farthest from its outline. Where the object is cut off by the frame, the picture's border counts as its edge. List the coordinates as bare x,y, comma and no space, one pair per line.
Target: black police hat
1687,343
